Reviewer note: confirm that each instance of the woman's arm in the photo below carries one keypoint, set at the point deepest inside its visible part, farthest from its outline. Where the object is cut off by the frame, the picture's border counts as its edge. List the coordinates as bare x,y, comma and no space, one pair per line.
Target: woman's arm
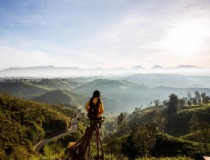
101,107
87,106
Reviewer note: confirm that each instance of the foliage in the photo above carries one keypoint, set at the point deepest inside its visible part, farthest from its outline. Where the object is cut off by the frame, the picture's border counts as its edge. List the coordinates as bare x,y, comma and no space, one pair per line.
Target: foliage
197,136
121,120
54,149
140,141
23,123
162,145
169,146
146,136
136,143
172,104
193,123
178,123
114,144
166,158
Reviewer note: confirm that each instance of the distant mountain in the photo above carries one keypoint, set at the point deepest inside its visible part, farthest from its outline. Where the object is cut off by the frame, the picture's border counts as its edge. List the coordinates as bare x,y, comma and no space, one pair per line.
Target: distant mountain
187,66
42,71
137,67
50,67
157,67
57,72
169,80
119,68
11,68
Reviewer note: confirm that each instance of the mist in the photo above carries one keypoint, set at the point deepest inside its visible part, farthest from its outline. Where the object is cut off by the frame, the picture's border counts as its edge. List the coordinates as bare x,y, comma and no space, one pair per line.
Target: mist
66,72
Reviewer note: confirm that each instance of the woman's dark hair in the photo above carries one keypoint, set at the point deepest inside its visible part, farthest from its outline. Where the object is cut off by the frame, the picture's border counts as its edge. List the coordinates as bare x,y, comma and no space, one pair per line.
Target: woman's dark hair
97,94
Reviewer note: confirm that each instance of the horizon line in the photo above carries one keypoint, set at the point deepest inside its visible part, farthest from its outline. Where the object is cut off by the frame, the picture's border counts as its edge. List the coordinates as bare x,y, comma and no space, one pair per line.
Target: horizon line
120,67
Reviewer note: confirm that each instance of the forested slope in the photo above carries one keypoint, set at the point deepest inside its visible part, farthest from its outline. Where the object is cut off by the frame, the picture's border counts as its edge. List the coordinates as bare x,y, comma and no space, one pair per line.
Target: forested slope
23,123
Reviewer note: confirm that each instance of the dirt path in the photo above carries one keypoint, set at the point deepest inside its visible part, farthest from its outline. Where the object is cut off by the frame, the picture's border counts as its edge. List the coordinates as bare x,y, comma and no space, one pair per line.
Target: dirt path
73,128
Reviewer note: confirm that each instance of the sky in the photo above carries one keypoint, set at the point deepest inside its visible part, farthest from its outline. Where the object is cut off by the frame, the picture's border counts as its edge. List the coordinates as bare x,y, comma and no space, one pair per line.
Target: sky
104,33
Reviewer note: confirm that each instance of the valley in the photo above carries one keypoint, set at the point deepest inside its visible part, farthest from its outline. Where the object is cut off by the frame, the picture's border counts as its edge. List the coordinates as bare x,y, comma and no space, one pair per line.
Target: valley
120,93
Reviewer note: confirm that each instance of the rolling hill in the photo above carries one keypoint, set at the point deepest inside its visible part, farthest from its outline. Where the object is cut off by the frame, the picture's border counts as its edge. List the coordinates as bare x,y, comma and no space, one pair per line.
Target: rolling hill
169,80
62,97
119,94
53,97
21,89
130,95
25,122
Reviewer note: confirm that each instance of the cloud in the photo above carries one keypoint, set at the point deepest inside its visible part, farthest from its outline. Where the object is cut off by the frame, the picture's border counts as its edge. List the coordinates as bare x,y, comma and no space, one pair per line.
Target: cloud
97,33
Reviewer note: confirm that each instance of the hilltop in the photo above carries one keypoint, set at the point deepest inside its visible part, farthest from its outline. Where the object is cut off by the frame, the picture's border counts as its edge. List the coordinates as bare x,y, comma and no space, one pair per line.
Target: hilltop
60,96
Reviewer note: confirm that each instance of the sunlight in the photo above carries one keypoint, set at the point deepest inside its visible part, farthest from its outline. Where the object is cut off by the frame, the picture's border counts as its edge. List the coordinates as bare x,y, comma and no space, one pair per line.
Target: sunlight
187,39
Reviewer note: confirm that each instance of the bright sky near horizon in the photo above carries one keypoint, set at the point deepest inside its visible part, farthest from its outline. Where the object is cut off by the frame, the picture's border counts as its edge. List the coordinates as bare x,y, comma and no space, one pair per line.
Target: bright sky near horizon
104,33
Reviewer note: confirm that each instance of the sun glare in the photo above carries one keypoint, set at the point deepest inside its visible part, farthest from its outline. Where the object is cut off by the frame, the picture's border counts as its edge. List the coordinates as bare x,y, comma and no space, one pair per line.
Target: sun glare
187,39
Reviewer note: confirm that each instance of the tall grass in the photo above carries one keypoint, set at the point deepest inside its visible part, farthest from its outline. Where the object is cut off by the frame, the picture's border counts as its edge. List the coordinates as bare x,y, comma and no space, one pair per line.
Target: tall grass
121,157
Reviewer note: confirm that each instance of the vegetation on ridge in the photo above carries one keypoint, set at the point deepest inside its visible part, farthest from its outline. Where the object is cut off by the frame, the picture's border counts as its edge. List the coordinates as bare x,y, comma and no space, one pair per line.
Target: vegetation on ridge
23,123
145,132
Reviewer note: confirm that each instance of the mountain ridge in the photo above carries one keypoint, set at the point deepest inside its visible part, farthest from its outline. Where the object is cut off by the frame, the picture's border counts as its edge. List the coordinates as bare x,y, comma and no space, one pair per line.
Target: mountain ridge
64,72
97,68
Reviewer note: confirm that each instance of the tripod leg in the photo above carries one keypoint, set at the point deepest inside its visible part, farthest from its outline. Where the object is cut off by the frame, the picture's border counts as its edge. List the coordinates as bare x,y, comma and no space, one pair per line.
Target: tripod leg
97,142
102,151
89,152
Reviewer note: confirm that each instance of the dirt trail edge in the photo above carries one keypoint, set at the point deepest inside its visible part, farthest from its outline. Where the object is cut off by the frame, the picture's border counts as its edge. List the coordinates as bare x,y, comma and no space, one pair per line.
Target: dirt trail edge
73,128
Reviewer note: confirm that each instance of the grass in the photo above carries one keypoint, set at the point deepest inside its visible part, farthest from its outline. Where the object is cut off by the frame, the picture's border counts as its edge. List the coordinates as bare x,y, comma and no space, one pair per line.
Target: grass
111,157
166,158
121,157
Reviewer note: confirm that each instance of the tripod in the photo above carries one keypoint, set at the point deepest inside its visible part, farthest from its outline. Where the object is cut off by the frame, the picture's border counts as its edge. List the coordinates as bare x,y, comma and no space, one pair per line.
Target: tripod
81,149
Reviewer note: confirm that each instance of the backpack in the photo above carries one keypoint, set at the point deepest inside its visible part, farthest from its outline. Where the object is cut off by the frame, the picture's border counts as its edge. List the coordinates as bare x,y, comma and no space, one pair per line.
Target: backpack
93,111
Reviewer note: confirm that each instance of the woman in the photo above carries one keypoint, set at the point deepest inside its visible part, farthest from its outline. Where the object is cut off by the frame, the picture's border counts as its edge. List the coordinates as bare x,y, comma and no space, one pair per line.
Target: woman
95,107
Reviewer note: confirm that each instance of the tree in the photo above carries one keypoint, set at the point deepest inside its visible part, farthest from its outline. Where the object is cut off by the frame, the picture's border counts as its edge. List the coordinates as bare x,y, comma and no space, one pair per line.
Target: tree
165,103
157,103
204,126
189,102
144,139
189,98
159,121
197,97
194,101
140,141
182,102
193,124
205,98
172,104
121,120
